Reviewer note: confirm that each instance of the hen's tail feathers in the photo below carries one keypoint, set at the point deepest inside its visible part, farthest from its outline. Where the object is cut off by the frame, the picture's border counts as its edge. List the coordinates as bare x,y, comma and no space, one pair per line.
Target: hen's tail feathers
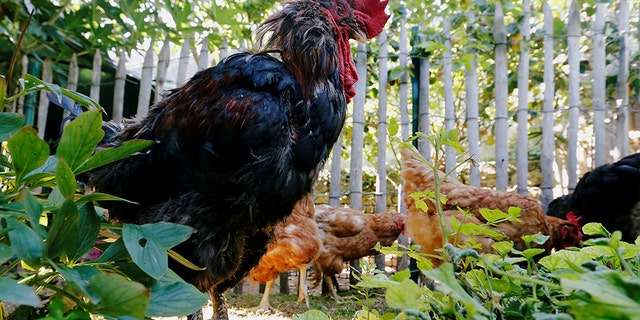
317,274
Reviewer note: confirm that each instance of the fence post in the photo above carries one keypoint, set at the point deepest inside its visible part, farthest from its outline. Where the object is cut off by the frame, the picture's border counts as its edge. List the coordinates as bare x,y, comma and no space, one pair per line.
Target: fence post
183,61
381,178
622,88
161,72
95,79
43,103
119,87
501,92
522,146
573,49
449,112
357,141
144,96
548,135
599,85
472,110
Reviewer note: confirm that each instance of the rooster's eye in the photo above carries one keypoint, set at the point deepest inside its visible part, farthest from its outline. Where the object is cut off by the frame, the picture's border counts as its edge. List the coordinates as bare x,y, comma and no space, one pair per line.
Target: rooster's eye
340,10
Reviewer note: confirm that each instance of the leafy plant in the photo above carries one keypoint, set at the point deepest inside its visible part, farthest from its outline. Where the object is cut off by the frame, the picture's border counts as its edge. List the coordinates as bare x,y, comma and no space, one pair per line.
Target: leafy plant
49,229
601,280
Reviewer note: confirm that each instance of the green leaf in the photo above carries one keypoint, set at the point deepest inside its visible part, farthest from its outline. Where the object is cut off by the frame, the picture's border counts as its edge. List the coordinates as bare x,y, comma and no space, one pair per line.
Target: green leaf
80,138
88,230
98,196
114,252
168,234
595,229
28,152
538,238
449,285
175,299
13,292
110,155
78,278
25,242
145,250
10,123
63,232
6,253
458,253
311,315
404,295
610,296
492,215
66,179
34,211
451,138
119,297
532,252
502,247
393,127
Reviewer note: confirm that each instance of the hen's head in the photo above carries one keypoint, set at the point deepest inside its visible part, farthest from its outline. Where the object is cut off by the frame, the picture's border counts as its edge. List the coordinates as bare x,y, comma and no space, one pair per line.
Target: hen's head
571,231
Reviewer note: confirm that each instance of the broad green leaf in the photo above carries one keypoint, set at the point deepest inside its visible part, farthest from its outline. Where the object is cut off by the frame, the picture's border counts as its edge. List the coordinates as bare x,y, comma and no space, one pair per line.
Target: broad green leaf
66,179
532,252
538,238
595,229
114,252
478,230
80,138
63,233
25,242
34,211
88,229
145,250
311,315
13,292
451,138
28,152
492,215
175,299
110,155
449,285
376,281
119,297
459,254
10,123
610,296
168,234
393,127
79,280
502,247
6,253
404,295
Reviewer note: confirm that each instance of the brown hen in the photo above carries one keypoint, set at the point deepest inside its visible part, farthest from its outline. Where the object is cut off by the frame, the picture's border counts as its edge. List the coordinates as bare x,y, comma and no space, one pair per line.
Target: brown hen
417,176
349,234
296,245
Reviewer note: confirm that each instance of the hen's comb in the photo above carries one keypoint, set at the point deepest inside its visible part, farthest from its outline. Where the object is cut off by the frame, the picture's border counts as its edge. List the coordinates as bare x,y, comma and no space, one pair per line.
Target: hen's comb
572,218
371,15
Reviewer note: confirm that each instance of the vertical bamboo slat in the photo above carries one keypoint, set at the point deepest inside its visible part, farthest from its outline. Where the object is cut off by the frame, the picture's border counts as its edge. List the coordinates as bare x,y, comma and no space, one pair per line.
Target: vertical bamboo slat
522,147
74,71
403,55
95,79
548,135
357,142
622,88
336,174
383,83
203,59
144,96
161,71
501,91
599,85
573,49
424,116
183,61
449,112
381,177
43,102
472,109
118,90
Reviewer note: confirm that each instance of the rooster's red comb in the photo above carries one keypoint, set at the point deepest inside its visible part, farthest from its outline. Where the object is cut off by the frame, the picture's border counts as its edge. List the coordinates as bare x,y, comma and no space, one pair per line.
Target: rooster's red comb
371,15
572,218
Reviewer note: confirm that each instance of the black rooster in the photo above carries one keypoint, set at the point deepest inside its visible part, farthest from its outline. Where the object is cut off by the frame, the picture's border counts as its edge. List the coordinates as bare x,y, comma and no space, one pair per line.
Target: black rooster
609,194
240,143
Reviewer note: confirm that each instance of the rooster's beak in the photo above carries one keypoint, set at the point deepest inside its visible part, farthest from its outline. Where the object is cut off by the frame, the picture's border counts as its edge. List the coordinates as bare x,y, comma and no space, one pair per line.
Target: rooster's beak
358,35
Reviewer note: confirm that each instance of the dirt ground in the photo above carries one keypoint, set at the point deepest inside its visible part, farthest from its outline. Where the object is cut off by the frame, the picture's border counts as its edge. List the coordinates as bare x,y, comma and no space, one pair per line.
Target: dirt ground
240,304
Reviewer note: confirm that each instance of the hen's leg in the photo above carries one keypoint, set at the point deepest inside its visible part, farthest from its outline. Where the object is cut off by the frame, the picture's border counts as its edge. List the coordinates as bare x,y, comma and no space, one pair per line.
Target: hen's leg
303,293
264,305
332,289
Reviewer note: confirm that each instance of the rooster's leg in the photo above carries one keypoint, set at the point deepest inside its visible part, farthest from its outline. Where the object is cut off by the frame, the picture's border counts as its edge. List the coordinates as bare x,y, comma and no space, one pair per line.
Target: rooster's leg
303,293
219,306
264,305
332,288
